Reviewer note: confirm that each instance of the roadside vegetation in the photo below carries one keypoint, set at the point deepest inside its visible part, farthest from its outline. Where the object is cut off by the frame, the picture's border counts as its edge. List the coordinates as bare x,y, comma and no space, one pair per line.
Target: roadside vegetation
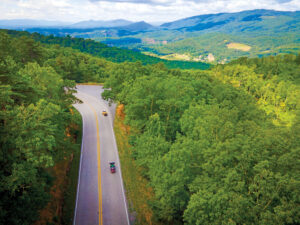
70,190
35,115
137,192
218,146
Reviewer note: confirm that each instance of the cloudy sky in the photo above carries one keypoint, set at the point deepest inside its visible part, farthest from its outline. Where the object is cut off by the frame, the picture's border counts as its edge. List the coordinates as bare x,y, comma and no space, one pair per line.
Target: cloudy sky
134,10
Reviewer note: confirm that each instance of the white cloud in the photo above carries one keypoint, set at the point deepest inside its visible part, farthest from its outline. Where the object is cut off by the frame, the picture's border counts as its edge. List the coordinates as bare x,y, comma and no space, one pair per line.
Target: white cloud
135,10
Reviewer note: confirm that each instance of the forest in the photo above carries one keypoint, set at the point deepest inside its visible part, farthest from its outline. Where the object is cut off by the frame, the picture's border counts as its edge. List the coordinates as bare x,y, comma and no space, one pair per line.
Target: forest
217,146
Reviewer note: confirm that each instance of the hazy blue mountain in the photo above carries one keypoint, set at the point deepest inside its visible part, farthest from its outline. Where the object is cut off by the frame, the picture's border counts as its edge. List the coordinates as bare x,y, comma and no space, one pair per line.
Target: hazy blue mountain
139,26
96,32
27,23
253,20
100,23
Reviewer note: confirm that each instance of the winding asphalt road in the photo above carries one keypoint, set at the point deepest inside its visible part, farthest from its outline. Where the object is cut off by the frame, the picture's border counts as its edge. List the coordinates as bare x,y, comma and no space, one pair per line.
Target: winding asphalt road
100,194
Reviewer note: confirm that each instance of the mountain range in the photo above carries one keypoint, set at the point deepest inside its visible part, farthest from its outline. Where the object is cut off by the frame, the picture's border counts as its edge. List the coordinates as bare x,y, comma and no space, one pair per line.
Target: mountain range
88,24
234,22
100,23
28,23
213,37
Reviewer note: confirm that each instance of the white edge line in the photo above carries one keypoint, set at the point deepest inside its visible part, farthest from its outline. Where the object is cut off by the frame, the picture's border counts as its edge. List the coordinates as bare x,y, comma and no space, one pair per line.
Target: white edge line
79,173
120,173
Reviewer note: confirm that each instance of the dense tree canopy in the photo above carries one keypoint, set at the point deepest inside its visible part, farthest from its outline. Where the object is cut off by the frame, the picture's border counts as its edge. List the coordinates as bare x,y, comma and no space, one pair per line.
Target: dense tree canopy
219,146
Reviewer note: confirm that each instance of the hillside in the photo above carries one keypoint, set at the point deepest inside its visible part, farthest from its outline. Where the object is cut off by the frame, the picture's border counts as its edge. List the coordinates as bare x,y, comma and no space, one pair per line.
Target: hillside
264,32
110,53
225,47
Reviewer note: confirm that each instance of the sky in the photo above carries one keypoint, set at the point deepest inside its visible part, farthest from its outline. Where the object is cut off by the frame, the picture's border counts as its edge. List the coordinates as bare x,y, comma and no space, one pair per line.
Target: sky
133,10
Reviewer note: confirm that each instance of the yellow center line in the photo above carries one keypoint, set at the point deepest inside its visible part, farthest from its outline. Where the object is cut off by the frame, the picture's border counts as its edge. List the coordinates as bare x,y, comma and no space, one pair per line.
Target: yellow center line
99,166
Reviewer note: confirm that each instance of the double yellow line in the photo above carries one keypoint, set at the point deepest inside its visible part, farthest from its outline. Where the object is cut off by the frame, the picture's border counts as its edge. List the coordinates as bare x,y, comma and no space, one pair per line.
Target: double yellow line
99,166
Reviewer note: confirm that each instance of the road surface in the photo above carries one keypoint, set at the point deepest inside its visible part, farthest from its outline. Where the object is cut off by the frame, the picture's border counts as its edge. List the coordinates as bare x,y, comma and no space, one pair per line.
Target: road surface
100,194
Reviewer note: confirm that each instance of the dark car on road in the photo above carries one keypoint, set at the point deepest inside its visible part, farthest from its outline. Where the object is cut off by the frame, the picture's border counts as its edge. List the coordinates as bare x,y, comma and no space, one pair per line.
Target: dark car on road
112,167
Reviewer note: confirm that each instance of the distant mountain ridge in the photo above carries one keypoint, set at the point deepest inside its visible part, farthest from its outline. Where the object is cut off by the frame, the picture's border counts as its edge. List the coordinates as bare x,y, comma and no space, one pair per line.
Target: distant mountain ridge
89,24
233,22
101,23
200,22
28,23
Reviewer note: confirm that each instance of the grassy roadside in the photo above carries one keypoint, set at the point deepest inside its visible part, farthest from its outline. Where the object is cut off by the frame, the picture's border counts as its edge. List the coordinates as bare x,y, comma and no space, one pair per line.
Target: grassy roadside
137,192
